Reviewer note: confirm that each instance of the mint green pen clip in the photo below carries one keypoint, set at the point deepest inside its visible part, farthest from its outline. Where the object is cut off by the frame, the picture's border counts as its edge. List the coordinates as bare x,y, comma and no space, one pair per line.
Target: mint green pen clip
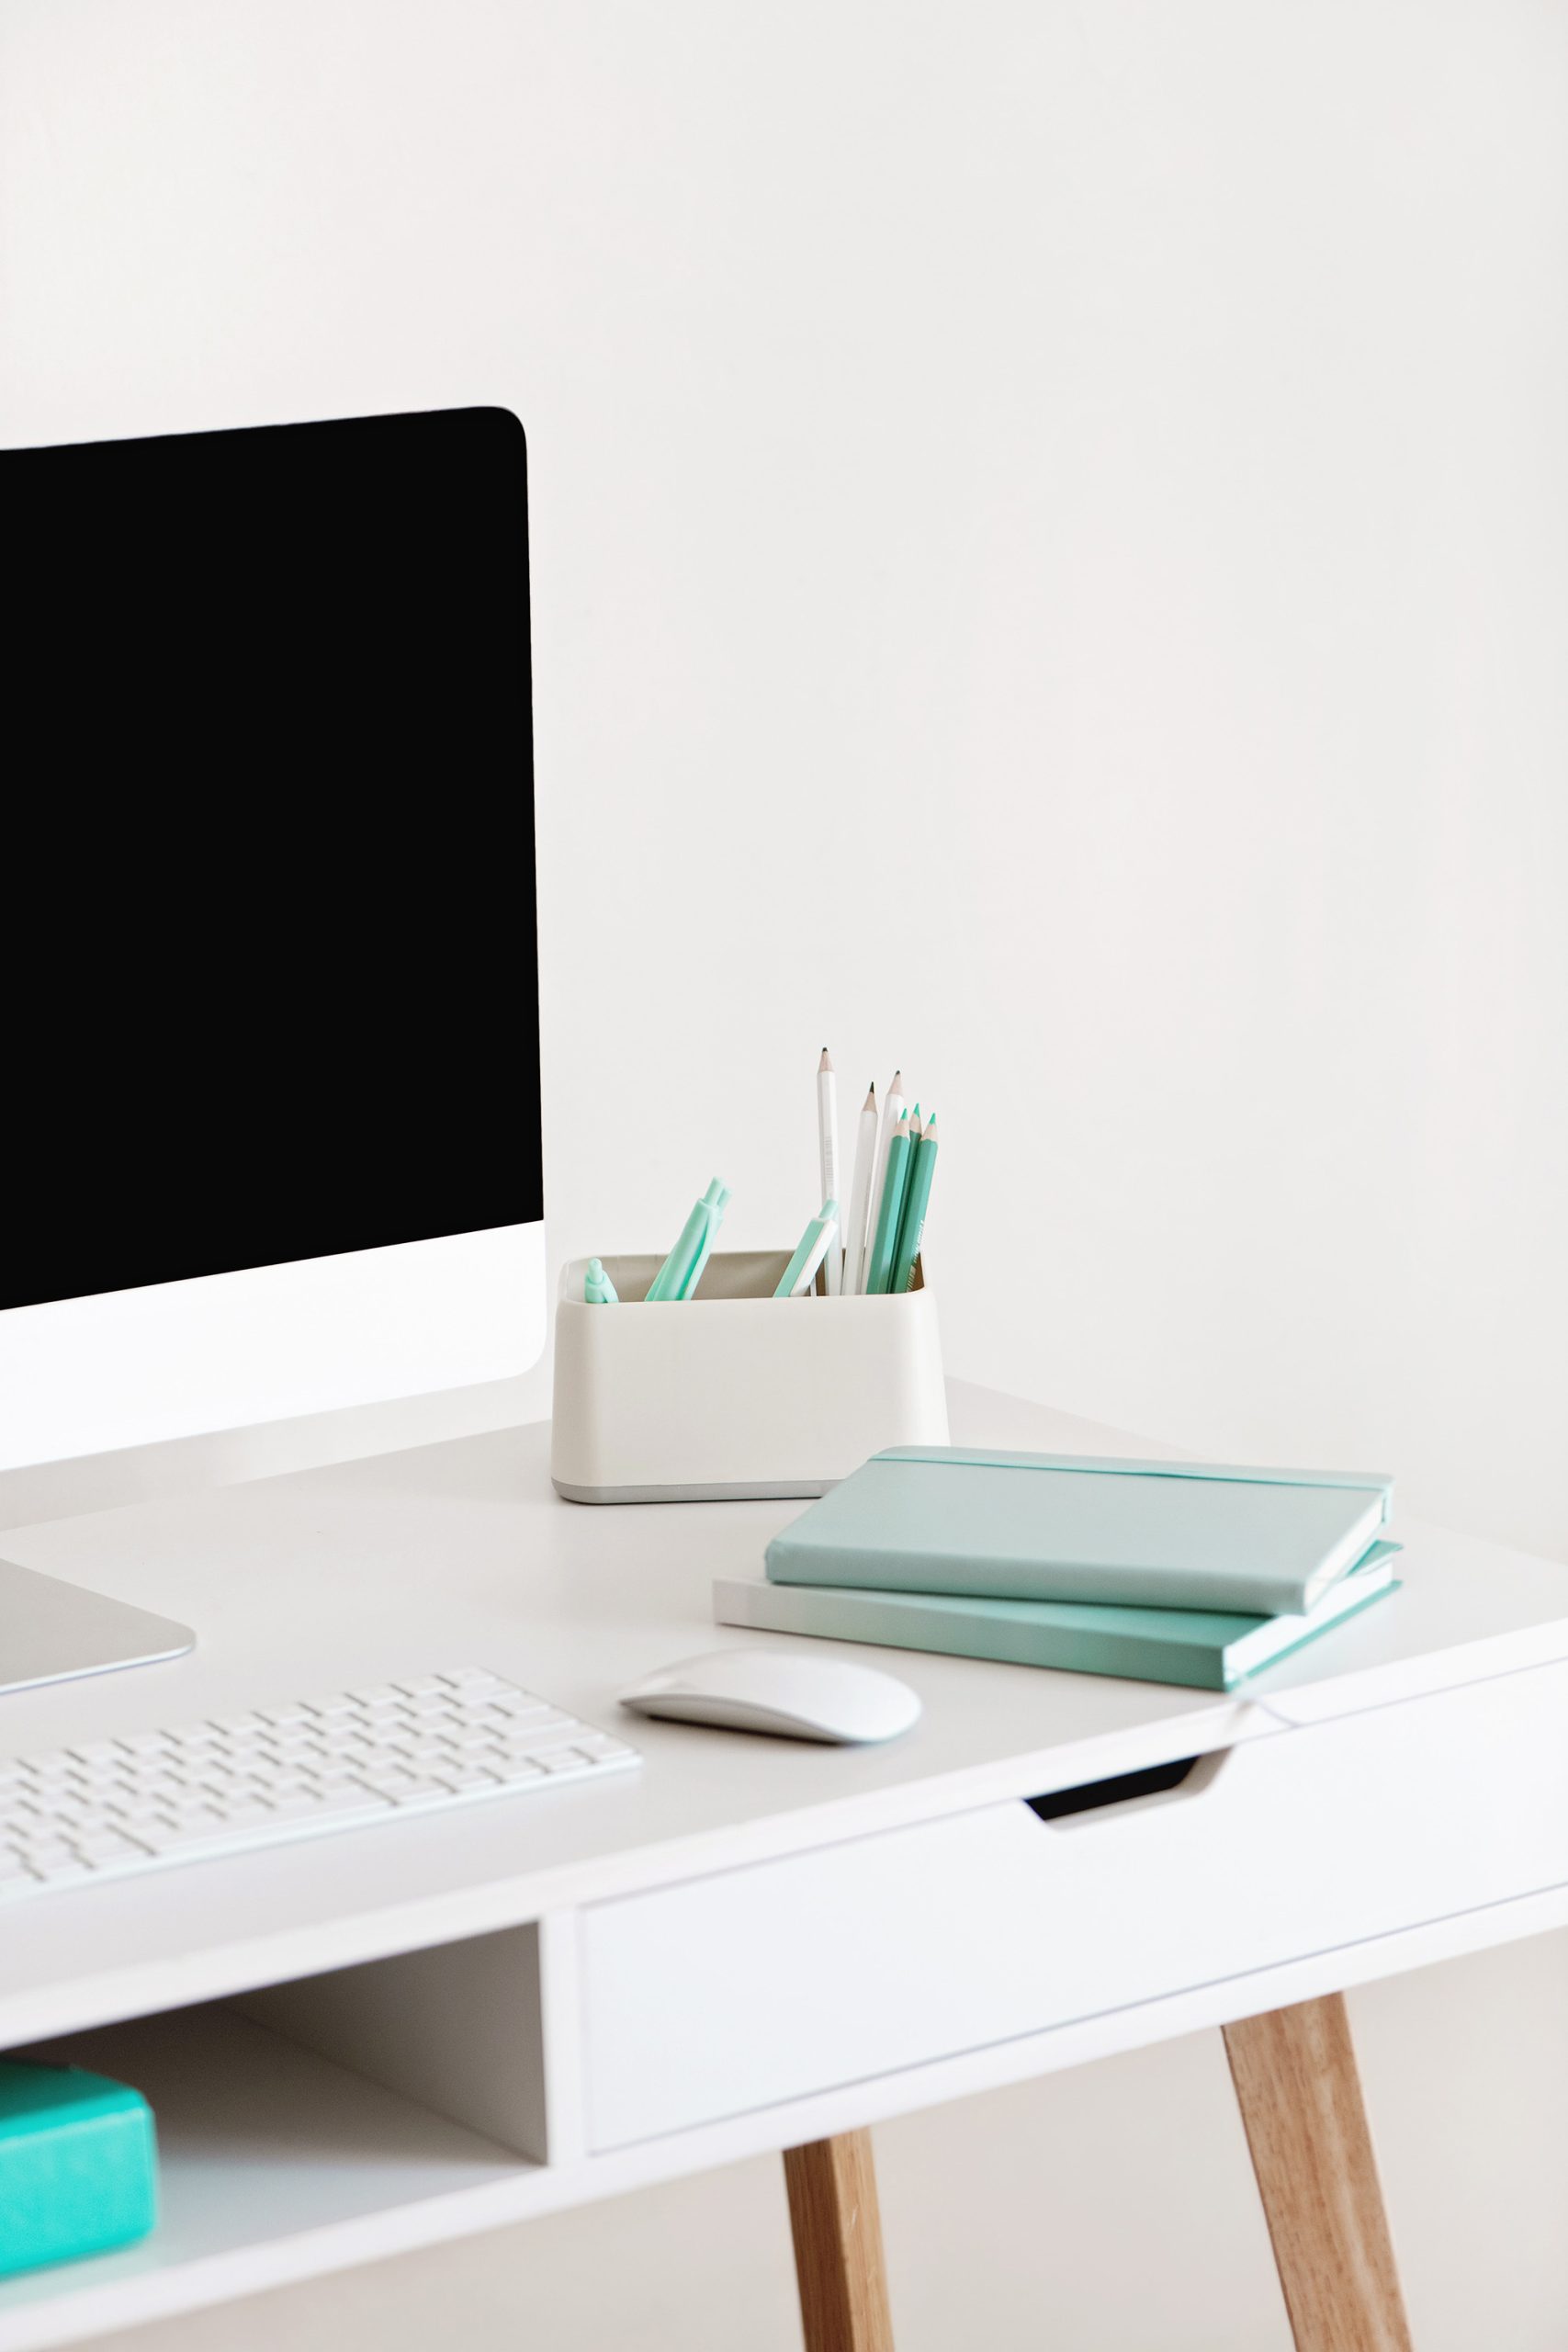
715,1200
597,1290
682,1271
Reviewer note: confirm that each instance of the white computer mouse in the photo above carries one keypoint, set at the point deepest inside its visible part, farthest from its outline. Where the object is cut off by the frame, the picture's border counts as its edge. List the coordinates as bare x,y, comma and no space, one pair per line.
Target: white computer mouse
779,1691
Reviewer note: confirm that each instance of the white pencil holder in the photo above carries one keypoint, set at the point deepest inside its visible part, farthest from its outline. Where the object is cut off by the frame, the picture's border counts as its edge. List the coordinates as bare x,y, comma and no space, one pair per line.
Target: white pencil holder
734,1392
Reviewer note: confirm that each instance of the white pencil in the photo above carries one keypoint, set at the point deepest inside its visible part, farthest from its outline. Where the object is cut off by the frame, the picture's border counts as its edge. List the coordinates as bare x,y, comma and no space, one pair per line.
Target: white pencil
828,1151
859,1193
893,1110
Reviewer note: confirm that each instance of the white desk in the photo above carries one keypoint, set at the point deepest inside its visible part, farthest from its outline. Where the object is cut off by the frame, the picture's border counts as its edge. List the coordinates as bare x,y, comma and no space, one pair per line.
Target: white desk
749,1944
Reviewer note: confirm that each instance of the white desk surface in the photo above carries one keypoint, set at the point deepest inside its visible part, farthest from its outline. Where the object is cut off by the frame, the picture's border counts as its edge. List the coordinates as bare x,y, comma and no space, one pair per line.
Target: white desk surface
282,2156
461,1553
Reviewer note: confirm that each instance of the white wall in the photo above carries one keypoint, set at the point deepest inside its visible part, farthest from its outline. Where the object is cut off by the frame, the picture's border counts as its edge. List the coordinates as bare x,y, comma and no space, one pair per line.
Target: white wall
1103,464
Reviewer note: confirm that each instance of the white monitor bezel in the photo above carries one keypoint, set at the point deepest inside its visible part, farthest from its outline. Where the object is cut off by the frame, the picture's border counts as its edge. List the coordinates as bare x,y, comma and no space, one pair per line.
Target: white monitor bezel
223,1351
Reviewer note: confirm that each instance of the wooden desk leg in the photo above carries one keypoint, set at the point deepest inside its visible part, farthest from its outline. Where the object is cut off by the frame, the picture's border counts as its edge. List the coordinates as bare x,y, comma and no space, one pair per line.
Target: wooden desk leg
838,2245
1295,2077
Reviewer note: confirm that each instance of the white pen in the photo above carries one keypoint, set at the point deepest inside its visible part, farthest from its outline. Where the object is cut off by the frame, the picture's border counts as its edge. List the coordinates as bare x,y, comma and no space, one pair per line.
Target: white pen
828,1151
859,1193
893,1110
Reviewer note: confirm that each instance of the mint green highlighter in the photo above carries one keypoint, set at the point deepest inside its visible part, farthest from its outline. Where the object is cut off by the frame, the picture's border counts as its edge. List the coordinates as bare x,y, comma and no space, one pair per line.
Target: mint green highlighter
78,2166
683,1270
597,1290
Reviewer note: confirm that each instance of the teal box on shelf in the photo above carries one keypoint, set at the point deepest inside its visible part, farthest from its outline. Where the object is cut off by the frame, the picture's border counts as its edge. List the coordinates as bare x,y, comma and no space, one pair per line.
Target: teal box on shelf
78,2166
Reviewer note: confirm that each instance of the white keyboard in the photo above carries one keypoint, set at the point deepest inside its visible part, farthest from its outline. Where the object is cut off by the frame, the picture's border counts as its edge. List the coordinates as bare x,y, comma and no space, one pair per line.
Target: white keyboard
75,1815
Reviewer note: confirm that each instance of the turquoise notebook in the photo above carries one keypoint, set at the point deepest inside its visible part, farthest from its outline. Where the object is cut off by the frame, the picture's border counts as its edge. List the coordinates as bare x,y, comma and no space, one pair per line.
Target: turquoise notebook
1069,1527
1208,1649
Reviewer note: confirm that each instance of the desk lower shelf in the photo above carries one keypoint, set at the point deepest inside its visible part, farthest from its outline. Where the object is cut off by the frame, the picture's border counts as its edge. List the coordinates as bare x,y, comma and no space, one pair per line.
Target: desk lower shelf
275,2164
281,2164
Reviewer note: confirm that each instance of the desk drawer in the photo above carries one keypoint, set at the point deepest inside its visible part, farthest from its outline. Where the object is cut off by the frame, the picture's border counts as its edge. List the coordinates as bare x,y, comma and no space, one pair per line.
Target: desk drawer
762,1984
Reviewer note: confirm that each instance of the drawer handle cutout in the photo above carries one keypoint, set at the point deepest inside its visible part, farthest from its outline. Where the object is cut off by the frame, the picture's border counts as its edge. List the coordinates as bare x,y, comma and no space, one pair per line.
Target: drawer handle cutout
1191,1773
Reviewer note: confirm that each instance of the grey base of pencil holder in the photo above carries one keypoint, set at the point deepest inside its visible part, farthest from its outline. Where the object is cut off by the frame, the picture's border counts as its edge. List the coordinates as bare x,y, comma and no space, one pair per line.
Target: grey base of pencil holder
735,1393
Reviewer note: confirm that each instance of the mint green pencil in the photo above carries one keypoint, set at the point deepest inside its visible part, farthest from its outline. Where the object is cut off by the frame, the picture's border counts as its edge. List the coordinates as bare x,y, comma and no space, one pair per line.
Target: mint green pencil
687,1259
912,1217
884,1238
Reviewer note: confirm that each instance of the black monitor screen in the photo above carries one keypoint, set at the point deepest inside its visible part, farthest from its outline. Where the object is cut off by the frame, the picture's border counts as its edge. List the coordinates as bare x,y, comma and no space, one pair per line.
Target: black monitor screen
269,936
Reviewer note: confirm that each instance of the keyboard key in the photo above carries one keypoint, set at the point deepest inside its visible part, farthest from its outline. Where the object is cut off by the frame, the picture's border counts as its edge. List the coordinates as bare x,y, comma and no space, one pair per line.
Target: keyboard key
103,1845
528,1742
598,1746
173,1837
49,1856
349,1805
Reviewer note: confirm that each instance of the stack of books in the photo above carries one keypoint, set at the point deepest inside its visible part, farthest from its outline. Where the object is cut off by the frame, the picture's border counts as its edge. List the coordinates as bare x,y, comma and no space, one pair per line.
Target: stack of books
1195,1573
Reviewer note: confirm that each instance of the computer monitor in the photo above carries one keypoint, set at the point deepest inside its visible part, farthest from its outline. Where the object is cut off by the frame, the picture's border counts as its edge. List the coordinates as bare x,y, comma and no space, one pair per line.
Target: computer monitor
271,1070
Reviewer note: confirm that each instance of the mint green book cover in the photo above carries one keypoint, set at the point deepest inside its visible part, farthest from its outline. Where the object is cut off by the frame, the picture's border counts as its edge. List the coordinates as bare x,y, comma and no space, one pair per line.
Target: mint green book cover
999,1526
78,2164
1205,1649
